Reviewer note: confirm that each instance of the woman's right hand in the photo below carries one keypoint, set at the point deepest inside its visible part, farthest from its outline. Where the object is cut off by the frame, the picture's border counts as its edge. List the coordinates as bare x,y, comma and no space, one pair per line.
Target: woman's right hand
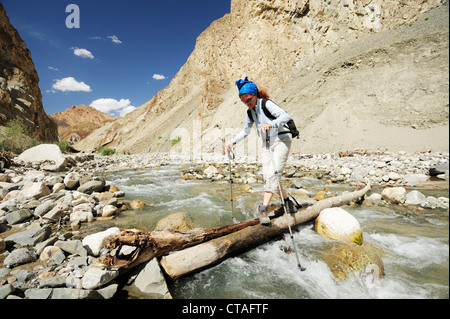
229,146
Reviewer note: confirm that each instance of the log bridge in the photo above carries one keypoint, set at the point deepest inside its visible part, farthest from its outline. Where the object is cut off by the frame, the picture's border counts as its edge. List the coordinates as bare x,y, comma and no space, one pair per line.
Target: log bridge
186,252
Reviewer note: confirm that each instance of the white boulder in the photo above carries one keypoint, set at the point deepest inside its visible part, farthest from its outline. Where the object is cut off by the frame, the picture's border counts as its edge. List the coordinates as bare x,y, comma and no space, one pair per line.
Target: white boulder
336,223
95,242
394,195
45,152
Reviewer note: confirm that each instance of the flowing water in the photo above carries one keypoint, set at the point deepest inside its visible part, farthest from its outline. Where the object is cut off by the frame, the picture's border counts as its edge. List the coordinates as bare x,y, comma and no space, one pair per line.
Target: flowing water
415,243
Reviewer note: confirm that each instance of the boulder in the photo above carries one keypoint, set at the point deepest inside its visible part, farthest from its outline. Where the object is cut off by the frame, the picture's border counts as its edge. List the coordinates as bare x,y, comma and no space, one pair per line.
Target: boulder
18,216
336,223
137,203
95,242
150,282
45,152
346,259
49,252
96,277
92,186
35,191
415,198
18,257
177,221
110,210
72,247
44,208
211,171
29,237
82,216
394,195
439,169
72,180
415,179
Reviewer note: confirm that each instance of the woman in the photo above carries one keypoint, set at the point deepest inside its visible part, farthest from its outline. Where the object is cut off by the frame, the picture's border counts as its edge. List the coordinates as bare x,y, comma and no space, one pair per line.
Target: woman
280,142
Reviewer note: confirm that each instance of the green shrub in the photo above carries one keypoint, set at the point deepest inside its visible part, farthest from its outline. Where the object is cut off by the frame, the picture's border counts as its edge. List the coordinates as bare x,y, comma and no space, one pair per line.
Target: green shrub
108,151
63,146
15,137
175,141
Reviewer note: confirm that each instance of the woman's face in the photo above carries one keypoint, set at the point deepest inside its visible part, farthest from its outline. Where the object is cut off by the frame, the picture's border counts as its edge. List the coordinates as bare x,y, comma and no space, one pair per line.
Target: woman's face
248,99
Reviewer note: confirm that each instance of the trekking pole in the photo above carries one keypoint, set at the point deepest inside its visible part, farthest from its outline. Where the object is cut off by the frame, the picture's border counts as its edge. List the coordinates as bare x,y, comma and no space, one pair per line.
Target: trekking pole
230,158
282,200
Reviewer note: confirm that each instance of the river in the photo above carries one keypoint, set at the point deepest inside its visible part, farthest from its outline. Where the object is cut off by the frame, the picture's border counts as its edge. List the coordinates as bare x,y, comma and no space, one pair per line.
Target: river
415,243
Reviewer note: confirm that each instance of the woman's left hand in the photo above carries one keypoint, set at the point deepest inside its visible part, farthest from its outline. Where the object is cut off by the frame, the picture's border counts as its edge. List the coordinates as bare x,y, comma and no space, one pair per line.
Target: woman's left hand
266,127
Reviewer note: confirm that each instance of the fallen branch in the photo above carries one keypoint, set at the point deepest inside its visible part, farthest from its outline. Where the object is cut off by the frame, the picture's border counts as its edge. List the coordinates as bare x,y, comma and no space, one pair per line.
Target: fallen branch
158,243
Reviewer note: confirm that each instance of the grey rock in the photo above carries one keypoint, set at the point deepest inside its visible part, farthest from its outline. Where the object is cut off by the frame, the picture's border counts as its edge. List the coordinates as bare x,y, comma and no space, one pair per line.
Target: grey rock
52,282
96,277
74,247
29,237
18,216
44,208
6,290
415,198
72,293
151,282
35,293
19,257
92,186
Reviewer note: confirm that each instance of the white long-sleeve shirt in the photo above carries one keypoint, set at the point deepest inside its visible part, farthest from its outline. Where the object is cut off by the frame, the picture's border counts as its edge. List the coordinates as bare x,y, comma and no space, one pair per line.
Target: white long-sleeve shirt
281,118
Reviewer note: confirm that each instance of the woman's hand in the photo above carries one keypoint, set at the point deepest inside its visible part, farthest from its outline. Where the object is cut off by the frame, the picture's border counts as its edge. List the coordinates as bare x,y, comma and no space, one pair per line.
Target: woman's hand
229,146
266,127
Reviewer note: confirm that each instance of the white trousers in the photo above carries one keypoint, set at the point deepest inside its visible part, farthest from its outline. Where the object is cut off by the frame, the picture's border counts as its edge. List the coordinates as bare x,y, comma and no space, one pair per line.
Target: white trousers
280,151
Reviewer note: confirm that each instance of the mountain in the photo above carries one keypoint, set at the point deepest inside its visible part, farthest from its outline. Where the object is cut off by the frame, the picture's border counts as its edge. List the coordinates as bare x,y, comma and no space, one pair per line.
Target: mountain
352,74
20,96
77,122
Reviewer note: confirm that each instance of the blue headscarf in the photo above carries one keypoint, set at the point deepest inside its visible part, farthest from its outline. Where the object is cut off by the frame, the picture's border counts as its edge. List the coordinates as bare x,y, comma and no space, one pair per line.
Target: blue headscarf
246,86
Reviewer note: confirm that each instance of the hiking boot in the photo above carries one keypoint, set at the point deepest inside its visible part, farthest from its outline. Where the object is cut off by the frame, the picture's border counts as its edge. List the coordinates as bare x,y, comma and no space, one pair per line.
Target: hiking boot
289,208
263,215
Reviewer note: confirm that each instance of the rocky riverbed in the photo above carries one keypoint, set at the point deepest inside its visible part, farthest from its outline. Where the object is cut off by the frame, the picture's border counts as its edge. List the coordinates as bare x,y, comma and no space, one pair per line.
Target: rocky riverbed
49,247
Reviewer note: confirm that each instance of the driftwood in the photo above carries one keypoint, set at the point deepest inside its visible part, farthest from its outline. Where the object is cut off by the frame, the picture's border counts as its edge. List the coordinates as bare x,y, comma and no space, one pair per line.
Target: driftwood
158,243
197,249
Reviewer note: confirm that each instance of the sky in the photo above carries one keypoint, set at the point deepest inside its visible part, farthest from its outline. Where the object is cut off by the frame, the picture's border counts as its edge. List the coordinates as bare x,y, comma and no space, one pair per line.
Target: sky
113,55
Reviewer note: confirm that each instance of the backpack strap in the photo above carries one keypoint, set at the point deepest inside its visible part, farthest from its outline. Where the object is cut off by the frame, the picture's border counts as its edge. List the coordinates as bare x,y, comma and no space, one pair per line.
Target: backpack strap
270,116
290,125
266,111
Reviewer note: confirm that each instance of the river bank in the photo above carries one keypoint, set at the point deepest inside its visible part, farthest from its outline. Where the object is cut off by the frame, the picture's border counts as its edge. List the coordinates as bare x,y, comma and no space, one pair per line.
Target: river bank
41,210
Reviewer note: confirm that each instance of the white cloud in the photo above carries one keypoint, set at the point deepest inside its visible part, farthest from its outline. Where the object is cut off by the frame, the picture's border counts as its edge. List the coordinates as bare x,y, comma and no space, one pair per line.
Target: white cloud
52,68
114,39
70,84
159,77
83,53
113,107
126,110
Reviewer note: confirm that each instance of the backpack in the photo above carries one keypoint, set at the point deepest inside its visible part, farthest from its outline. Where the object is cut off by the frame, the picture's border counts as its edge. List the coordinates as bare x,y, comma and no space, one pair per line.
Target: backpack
290,125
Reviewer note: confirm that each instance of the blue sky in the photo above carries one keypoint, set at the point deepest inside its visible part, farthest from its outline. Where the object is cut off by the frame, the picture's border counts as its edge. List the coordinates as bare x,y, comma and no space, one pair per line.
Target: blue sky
121,55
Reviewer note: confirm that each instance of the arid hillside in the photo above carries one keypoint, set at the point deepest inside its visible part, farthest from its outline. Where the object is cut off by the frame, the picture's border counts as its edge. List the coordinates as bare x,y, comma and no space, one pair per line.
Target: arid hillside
20,95
353,74
77,122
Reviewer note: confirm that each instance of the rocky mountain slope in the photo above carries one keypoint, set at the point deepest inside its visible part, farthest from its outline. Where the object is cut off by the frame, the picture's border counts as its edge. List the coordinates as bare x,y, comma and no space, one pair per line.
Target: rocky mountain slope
77,122
20,96
353,74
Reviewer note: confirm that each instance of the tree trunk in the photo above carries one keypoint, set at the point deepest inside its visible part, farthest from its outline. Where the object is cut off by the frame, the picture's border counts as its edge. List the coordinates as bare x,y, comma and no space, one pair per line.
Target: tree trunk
158,243
198,249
